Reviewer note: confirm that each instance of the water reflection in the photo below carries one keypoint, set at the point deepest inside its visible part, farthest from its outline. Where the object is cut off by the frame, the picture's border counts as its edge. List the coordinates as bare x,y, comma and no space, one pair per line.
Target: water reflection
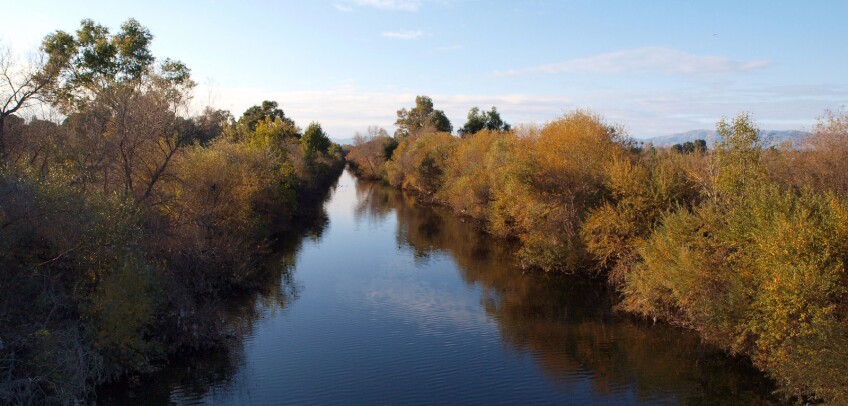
566,323
401,303
193,377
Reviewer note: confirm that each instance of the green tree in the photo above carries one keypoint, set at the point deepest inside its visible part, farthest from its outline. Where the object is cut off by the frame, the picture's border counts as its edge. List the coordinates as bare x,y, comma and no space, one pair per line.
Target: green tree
268,109
700,146
688,147
273,132
112,80
93,60
422,116
314,140
486,120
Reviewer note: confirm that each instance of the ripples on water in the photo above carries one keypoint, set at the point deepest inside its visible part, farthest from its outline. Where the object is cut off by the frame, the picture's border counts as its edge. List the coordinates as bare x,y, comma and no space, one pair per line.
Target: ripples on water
398,303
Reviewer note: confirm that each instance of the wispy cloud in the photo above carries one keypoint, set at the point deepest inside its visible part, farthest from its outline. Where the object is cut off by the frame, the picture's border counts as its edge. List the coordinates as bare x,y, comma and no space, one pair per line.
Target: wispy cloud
400,5
343,7
644,60
346,109
455,47
405,35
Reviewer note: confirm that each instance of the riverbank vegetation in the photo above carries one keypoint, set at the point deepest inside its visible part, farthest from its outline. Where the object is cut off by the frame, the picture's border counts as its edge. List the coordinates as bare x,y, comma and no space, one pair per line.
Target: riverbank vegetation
125,220
745,245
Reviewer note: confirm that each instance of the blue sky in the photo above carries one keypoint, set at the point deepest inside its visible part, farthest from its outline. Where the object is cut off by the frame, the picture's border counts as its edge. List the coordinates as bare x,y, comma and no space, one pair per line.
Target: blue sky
655,67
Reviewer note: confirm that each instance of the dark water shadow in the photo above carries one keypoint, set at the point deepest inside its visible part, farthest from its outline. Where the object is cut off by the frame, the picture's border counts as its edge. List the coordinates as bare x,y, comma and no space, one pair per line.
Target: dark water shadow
192,376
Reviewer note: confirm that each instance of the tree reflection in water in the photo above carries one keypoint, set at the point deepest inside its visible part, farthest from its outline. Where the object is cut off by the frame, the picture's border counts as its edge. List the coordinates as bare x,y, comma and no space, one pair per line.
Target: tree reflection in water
567,323
191,377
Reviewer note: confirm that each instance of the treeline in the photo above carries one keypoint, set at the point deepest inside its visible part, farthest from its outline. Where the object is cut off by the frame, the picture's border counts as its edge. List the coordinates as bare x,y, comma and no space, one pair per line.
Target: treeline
125,222
744,244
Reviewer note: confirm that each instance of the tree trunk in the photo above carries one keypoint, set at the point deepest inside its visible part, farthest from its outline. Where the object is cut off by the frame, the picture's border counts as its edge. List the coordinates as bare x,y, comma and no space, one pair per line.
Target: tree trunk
3,152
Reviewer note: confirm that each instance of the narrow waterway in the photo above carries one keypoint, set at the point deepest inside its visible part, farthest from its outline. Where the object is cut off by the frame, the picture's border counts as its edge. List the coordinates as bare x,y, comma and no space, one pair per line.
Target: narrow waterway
389,302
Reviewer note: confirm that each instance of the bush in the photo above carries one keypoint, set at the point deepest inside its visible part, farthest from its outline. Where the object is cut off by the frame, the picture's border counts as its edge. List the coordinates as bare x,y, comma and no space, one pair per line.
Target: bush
419,162
468,173
758,270
552,189
75,260
746,246
367,157
642,189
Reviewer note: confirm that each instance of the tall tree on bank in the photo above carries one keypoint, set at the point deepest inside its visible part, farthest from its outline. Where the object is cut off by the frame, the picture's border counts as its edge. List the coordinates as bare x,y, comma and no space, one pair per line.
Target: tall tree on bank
485,120
314,141
422,116
112,82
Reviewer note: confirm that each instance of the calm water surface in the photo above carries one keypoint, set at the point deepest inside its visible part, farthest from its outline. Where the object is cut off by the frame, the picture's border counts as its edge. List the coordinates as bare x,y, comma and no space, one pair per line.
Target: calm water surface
390,302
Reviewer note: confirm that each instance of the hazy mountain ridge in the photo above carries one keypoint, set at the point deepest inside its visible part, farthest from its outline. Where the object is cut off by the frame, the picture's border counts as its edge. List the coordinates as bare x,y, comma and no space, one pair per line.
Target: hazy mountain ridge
771,137
343,141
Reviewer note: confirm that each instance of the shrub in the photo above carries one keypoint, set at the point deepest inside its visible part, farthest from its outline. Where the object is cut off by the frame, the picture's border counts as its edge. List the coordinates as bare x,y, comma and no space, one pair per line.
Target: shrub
642,189
563,178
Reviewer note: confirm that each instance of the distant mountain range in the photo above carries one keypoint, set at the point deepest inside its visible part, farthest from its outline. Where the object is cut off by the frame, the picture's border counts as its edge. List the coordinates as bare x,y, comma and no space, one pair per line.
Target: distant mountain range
343,141
770,138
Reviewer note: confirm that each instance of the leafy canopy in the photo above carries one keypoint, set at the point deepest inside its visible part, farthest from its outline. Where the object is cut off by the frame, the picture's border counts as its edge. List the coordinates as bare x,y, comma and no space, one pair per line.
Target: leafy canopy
483,120
422,116
93,59
314,140
268,109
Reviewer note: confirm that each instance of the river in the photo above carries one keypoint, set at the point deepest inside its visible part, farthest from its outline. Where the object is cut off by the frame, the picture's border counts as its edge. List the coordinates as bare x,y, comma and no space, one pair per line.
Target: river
385,301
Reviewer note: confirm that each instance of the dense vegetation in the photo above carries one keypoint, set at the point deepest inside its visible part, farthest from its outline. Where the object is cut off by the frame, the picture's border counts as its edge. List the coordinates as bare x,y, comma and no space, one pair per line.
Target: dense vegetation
124,222
743,244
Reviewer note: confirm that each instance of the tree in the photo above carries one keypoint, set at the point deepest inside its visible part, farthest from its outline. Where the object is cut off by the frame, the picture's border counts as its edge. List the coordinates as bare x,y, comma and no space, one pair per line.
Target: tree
737,157
375,131
20,86
824,165
273,132
93,59
210,124
688,147
420,117
268,109
314,140
486,120
370,152
123,111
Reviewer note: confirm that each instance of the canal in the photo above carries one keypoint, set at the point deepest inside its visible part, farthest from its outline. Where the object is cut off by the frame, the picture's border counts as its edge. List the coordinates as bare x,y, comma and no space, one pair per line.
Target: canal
386,301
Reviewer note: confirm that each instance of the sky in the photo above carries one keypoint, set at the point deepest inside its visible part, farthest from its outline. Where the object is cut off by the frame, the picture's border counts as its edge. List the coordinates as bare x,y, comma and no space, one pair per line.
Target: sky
654,67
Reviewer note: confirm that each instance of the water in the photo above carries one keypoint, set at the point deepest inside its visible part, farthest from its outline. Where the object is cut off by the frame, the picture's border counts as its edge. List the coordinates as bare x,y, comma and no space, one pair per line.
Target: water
390,302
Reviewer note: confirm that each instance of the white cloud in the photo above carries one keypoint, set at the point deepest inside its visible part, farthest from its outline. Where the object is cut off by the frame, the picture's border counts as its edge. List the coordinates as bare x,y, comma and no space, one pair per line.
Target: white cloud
405,35
346,109
644,60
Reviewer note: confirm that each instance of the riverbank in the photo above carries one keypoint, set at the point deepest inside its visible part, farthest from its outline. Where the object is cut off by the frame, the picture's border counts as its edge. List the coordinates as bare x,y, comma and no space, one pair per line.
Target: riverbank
126,222
235,310
391,290
116,289
741,244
